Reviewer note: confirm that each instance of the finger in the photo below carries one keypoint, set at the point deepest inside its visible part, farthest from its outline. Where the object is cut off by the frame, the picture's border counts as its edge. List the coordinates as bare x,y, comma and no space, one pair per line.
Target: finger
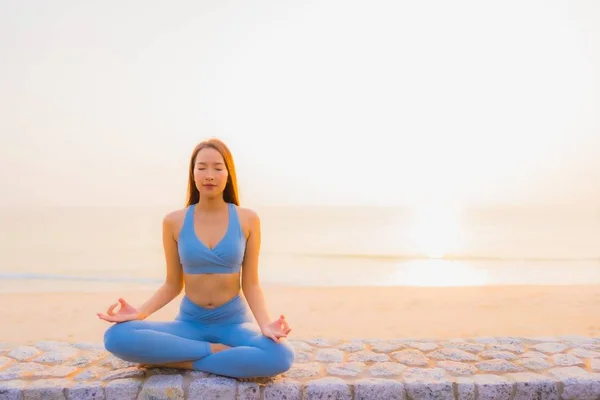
287,331
124,304
106,317
272,336
280,330
110,310
284,328
114,318
279,334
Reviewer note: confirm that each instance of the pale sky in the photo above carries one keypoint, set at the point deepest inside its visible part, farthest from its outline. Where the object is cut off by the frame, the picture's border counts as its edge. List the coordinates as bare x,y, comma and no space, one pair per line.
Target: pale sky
321,102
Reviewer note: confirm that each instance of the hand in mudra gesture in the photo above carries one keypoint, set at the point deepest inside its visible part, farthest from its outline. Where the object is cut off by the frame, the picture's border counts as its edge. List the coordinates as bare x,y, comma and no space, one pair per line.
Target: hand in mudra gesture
126,312
277,329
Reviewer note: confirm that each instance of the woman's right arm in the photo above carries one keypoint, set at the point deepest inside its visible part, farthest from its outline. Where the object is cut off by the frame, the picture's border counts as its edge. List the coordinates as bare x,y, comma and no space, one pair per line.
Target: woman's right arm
174,280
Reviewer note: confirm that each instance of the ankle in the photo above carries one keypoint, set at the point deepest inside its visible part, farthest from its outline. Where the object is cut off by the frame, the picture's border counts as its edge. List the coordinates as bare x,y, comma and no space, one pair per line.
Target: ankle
217,347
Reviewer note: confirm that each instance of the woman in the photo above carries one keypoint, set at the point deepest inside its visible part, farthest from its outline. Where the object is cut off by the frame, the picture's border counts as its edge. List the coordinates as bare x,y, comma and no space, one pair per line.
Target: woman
210,246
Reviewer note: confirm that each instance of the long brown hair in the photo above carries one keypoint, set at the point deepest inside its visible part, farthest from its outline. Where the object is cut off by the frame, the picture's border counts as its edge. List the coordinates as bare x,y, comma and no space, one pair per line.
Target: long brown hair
230,194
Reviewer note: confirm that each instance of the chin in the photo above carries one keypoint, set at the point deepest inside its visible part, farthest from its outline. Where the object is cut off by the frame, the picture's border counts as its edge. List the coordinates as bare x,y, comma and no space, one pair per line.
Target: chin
212,195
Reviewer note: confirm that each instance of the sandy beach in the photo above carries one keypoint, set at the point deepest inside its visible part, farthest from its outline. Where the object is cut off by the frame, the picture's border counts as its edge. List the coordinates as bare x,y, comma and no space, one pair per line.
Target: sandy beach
347,312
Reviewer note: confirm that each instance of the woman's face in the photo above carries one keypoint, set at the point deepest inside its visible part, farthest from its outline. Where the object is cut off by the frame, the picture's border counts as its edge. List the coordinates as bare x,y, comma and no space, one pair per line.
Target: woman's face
210,173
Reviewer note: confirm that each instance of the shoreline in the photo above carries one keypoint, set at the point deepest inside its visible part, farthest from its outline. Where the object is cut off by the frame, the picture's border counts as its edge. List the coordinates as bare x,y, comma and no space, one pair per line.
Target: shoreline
344,313
83,286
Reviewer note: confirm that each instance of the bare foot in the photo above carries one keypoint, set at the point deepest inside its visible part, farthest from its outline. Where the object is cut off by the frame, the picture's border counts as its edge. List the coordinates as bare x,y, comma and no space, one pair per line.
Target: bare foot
217,347
214,348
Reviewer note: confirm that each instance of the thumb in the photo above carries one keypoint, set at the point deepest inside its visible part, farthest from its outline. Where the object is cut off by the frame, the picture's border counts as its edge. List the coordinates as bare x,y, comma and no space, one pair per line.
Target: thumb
123,302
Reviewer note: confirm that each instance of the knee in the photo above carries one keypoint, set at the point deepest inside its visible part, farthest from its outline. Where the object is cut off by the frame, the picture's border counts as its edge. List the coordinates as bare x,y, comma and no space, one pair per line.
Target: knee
117,336
284,356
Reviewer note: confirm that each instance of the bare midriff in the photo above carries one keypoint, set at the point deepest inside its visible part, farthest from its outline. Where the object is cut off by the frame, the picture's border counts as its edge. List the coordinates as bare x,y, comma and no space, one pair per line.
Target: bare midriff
211,290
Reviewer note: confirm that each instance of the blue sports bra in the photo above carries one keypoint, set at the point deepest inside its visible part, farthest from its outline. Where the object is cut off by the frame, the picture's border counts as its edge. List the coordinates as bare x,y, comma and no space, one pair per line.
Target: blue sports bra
225,258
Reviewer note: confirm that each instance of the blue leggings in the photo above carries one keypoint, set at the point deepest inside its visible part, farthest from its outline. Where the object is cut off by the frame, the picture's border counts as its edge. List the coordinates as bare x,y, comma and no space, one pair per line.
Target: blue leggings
187,339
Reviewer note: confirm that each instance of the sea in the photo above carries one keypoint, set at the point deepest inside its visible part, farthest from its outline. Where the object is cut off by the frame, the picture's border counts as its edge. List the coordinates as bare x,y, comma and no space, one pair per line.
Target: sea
103,248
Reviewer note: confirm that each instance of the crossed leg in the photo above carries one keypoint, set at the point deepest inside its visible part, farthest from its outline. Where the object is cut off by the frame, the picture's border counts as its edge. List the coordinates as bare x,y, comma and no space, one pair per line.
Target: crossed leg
234,350
251,354
157,342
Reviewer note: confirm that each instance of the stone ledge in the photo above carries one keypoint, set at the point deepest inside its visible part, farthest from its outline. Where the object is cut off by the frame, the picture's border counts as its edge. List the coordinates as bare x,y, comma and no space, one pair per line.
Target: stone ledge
511,368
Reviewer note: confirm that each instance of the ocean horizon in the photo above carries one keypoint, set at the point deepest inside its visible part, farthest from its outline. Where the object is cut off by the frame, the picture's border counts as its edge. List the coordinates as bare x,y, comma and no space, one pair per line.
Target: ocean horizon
90,248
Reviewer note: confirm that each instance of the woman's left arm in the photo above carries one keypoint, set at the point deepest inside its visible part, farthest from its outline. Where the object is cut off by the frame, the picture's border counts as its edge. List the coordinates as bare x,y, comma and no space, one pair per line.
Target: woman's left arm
250,281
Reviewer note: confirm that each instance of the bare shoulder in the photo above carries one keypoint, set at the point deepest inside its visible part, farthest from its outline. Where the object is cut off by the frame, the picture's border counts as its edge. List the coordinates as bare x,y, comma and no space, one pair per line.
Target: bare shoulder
173,221
249,219
248,214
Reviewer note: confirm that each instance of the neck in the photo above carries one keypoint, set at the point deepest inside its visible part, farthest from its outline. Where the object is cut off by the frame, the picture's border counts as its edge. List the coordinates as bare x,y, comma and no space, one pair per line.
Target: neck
210,204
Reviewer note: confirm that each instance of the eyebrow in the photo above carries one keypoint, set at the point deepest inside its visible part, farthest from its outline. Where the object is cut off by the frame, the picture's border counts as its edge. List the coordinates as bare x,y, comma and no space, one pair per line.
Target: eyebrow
215,163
